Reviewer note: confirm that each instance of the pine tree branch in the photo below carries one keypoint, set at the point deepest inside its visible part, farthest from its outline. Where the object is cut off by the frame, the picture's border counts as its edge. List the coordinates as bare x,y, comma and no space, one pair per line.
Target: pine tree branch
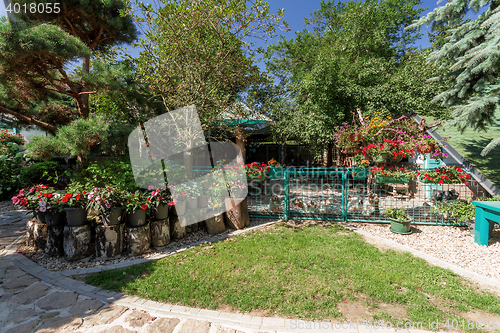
27,119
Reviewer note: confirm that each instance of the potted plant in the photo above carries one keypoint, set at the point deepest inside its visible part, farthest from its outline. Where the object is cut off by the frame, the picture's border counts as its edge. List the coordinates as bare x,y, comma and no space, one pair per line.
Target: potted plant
275,170
400,221
109,202
50,202
378,152
360,167
179,198
30,200
256,171
448,174
193,191
397,175
136,207
74,203
160,201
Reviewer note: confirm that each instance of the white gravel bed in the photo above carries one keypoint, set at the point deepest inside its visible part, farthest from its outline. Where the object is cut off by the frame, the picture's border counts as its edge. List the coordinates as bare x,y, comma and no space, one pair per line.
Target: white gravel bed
454,245
61,264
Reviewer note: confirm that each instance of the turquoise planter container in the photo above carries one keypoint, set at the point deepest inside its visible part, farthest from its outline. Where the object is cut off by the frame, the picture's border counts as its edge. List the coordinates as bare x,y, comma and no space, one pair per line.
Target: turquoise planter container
393,180
275,172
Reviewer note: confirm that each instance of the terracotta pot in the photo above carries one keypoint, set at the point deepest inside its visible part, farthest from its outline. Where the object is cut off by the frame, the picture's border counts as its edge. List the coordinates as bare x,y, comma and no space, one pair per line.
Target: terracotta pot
425,149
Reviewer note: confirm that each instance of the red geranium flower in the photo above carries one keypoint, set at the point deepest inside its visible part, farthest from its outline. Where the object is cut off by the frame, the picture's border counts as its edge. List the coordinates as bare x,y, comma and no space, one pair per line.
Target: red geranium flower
144,207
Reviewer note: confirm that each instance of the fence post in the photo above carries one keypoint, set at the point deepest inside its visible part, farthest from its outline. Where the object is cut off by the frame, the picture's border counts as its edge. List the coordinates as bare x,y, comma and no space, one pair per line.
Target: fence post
344,196
287,196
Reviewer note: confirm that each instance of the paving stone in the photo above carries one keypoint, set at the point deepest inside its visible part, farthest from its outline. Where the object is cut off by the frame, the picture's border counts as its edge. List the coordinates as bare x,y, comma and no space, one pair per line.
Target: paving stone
57,300
31,294
227,330
105,316
118,329
59,325
18,316
162,325
138,318
13,272
24,328
85,307
14,284
192,325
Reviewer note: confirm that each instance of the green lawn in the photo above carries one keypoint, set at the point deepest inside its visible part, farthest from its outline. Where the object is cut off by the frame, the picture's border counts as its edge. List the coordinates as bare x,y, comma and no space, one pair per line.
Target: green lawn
309,273
470,144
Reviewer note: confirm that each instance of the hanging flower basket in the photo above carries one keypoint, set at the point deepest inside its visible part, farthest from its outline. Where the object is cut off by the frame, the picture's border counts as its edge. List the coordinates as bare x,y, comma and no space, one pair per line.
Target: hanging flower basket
425,149
379,158
355,137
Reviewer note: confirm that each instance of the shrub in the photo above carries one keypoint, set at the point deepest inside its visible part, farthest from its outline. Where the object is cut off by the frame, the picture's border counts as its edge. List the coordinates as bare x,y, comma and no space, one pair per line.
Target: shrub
34,174
104,173
10,167
46,147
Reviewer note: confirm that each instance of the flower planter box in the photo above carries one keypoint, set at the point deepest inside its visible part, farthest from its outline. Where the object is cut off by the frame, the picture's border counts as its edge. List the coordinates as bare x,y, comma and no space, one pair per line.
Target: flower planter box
425,149
359,174
393,180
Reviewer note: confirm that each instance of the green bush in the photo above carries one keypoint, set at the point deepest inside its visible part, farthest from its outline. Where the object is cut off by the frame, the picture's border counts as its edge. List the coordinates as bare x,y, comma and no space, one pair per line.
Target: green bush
46,147
99,174
34,174
10,167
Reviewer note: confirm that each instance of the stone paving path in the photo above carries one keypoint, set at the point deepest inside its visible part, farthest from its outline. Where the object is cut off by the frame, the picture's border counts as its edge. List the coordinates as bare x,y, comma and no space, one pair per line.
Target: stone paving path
33,299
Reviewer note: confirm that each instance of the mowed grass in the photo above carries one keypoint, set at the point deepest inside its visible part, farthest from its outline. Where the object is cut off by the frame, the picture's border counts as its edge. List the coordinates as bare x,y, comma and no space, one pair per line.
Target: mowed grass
303,273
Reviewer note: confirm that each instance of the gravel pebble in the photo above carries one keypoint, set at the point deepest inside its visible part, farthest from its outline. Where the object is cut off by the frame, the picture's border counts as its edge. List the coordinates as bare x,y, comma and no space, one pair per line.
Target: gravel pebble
454,245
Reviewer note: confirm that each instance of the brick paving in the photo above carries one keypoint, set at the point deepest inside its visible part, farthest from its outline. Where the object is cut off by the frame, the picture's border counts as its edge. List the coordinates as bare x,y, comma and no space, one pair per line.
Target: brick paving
33,299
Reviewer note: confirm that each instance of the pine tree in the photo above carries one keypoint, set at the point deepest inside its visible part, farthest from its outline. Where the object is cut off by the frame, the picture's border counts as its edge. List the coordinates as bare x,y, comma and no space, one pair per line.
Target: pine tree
472,53
36,51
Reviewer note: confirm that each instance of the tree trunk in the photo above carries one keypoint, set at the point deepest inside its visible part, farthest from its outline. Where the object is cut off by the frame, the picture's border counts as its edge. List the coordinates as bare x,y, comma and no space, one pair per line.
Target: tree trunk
138,239
236,215
30,237
215,225
39,235
176,230
240,143
160,233
84,107
55,237
77,242
109,240
27,119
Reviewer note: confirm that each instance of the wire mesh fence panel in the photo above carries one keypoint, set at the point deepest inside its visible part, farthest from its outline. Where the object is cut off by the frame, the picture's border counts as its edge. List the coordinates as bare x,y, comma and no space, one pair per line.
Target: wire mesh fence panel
315,193
367,199
339,195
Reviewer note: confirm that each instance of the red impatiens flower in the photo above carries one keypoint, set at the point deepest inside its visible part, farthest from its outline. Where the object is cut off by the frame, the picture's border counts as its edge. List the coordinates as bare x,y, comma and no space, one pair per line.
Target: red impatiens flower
144,207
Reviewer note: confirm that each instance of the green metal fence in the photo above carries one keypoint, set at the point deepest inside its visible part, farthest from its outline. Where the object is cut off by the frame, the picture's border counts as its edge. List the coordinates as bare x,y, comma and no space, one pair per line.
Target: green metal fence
334,194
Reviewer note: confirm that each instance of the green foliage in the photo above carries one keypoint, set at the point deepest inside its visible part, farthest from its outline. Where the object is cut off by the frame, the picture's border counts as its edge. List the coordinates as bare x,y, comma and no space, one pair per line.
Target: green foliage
81,138
358,56
10,167
36,51
196,52
46,147
39,173
470,53
100,174
461,210
397,214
